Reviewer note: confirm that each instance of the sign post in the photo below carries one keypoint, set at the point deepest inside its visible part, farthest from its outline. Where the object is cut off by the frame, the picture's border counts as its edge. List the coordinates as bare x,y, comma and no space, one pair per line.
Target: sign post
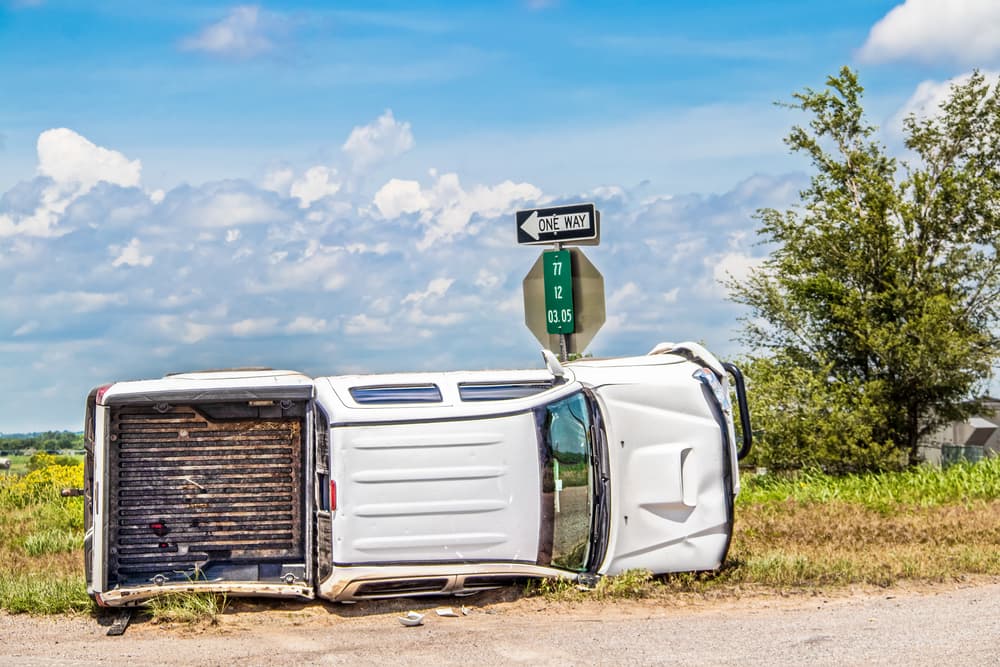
563,291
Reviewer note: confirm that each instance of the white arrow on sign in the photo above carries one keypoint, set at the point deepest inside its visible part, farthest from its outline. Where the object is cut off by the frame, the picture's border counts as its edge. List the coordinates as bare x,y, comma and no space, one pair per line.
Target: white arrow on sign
536,225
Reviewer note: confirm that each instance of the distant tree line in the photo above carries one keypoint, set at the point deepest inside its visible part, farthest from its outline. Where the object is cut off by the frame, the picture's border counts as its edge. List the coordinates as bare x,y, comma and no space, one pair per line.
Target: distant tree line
49,440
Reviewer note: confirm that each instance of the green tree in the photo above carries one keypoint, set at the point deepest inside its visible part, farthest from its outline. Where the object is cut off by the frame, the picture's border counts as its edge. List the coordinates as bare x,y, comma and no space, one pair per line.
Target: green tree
872,321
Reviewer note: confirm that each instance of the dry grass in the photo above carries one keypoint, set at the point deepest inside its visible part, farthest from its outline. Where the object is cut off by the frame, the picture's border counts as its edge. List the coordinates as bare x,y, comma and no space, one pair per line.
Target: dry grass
837,543
792,545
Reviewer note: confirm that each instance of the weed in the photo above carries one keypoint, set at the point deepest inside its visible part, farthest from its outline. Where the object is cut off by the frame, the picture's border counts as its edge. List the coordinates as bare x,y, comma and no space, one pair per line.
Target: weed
629,585
42,593
552,589
187,608
52,541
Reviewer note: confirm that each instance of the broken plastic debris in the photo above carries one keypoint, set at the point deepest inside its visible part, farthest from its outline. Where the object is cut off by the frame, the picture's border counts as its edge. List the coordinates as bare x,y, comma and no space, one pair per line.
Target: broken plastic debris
465,610
412,618
445,611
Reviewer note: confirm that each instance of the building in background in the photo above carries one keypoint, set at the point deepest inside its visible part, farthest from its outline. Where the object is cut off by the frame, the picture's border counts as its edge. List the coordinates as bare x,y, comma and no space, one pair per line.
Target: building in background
971,439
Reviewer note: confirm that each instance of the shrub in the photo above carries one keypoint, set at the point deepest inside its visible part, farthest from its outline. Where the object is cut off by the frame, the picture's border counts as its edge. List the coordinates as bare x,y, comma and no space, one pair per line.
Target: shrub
40,486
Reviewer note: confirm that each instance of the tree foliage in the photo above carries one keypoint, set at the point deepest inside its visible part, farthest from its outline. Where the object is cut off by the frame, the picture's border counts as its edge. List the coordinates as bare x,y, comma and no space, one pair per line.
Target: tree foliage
872,321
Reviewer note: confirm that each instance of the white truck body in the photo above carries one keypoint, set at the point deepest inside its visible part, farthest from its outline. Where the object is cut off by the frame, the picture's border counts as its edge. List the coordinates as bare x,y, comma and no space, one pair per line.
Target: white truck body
371,486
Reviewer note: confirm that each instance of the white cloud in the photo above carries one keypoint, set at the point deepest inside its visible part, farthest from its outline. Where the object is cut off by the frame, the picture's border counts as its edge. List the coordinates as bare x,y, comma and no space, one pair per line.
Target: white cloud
398,197
383,139
26,328
223,204
306,325
244,33
435,289
69,166
361,325
319,267
487,280
255,326
671,295
131,255
173,328
359,248
232,235
68,158
81,301
419,318
966,31
624,296
929,95
725,267
446,208
279,180
315,184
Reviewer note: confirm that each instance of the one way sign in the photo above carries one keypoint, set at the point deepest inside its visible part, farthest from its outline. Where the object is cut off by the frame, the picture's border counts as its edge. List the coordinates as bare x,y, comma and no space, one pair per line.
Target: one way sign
575,224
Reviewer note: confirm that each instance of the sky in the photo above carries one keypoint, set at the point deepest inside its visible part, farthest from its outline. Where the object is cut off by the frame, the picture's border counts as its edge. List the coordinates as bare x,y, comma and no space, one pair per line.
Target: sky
330,186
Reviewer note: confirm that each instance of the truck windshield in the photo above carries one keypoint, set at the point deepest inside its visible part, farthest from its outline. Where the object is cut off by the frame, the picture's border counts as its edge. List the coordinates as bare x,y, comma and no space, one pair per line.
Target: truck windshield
568,480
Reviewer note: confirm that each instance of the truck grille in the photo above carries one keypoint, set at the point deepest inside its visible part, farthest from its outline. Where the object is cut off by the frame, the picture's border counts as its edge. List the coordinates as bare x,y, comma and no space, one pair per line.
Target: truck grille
189,493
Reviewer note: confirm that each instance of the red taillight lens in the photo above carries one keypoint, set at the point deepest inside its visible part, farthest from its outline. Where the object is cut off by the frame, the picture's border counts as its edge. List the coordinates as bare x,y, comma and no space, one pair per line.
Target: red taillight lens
100,394
333,496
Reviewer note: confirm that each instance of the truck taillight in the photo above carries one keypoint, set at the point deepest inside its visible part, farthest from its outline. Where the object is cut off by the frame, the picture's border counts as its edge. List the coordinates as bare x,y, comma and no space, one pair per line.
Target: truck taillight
99,398
333,495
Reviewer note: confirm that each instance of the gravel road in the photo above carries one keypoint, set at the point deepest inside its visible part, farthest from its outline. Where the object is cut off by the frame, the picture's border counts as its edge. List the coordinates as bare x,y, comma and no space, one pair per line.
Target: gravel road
953,625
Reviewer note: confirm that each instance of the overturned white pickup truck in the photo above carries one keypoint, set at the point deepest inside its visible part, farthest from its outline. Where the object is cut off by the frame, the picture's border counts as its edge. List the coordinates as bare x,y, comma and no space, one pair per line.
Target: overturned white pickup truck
270,483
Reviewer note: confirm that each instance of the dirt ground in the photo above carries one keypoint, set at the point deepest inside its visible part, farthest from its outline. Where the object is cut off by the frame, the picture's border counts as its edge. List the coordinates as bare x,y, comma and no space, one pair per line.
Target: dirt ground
957,624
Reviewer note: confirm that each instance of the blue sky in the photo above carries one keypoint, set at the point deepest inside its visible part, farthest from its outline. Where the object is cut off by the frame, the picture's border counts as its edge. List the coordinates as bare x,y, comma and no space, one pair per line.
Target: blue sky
330,187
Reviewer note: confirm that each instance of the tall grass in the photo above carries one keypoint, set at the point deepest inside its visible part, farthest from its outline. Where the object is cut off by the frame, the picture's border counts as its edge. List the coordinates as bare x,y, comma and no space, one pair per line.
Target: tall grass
814,531
41,542
924,486
43,592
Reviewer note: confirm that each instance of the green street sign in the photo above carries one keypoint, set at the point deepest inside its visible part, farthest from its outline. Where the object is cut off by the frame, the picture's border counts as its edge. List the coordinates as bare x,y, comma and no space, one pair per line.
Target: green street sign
588,303
560,318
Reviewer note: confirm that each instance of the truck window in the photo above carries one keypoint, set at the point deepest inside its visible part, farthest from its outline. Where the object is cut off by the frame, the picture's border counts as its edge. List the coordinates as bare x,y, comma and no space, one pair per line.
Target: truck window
568,480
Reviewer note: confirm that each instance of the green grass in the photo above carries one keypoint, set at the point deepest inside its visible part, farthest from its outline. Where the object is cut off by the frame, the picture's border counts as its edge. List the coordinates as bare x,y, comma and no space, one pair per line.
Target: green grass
813,531
52,541
41,543
574,474
41,592
921,487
